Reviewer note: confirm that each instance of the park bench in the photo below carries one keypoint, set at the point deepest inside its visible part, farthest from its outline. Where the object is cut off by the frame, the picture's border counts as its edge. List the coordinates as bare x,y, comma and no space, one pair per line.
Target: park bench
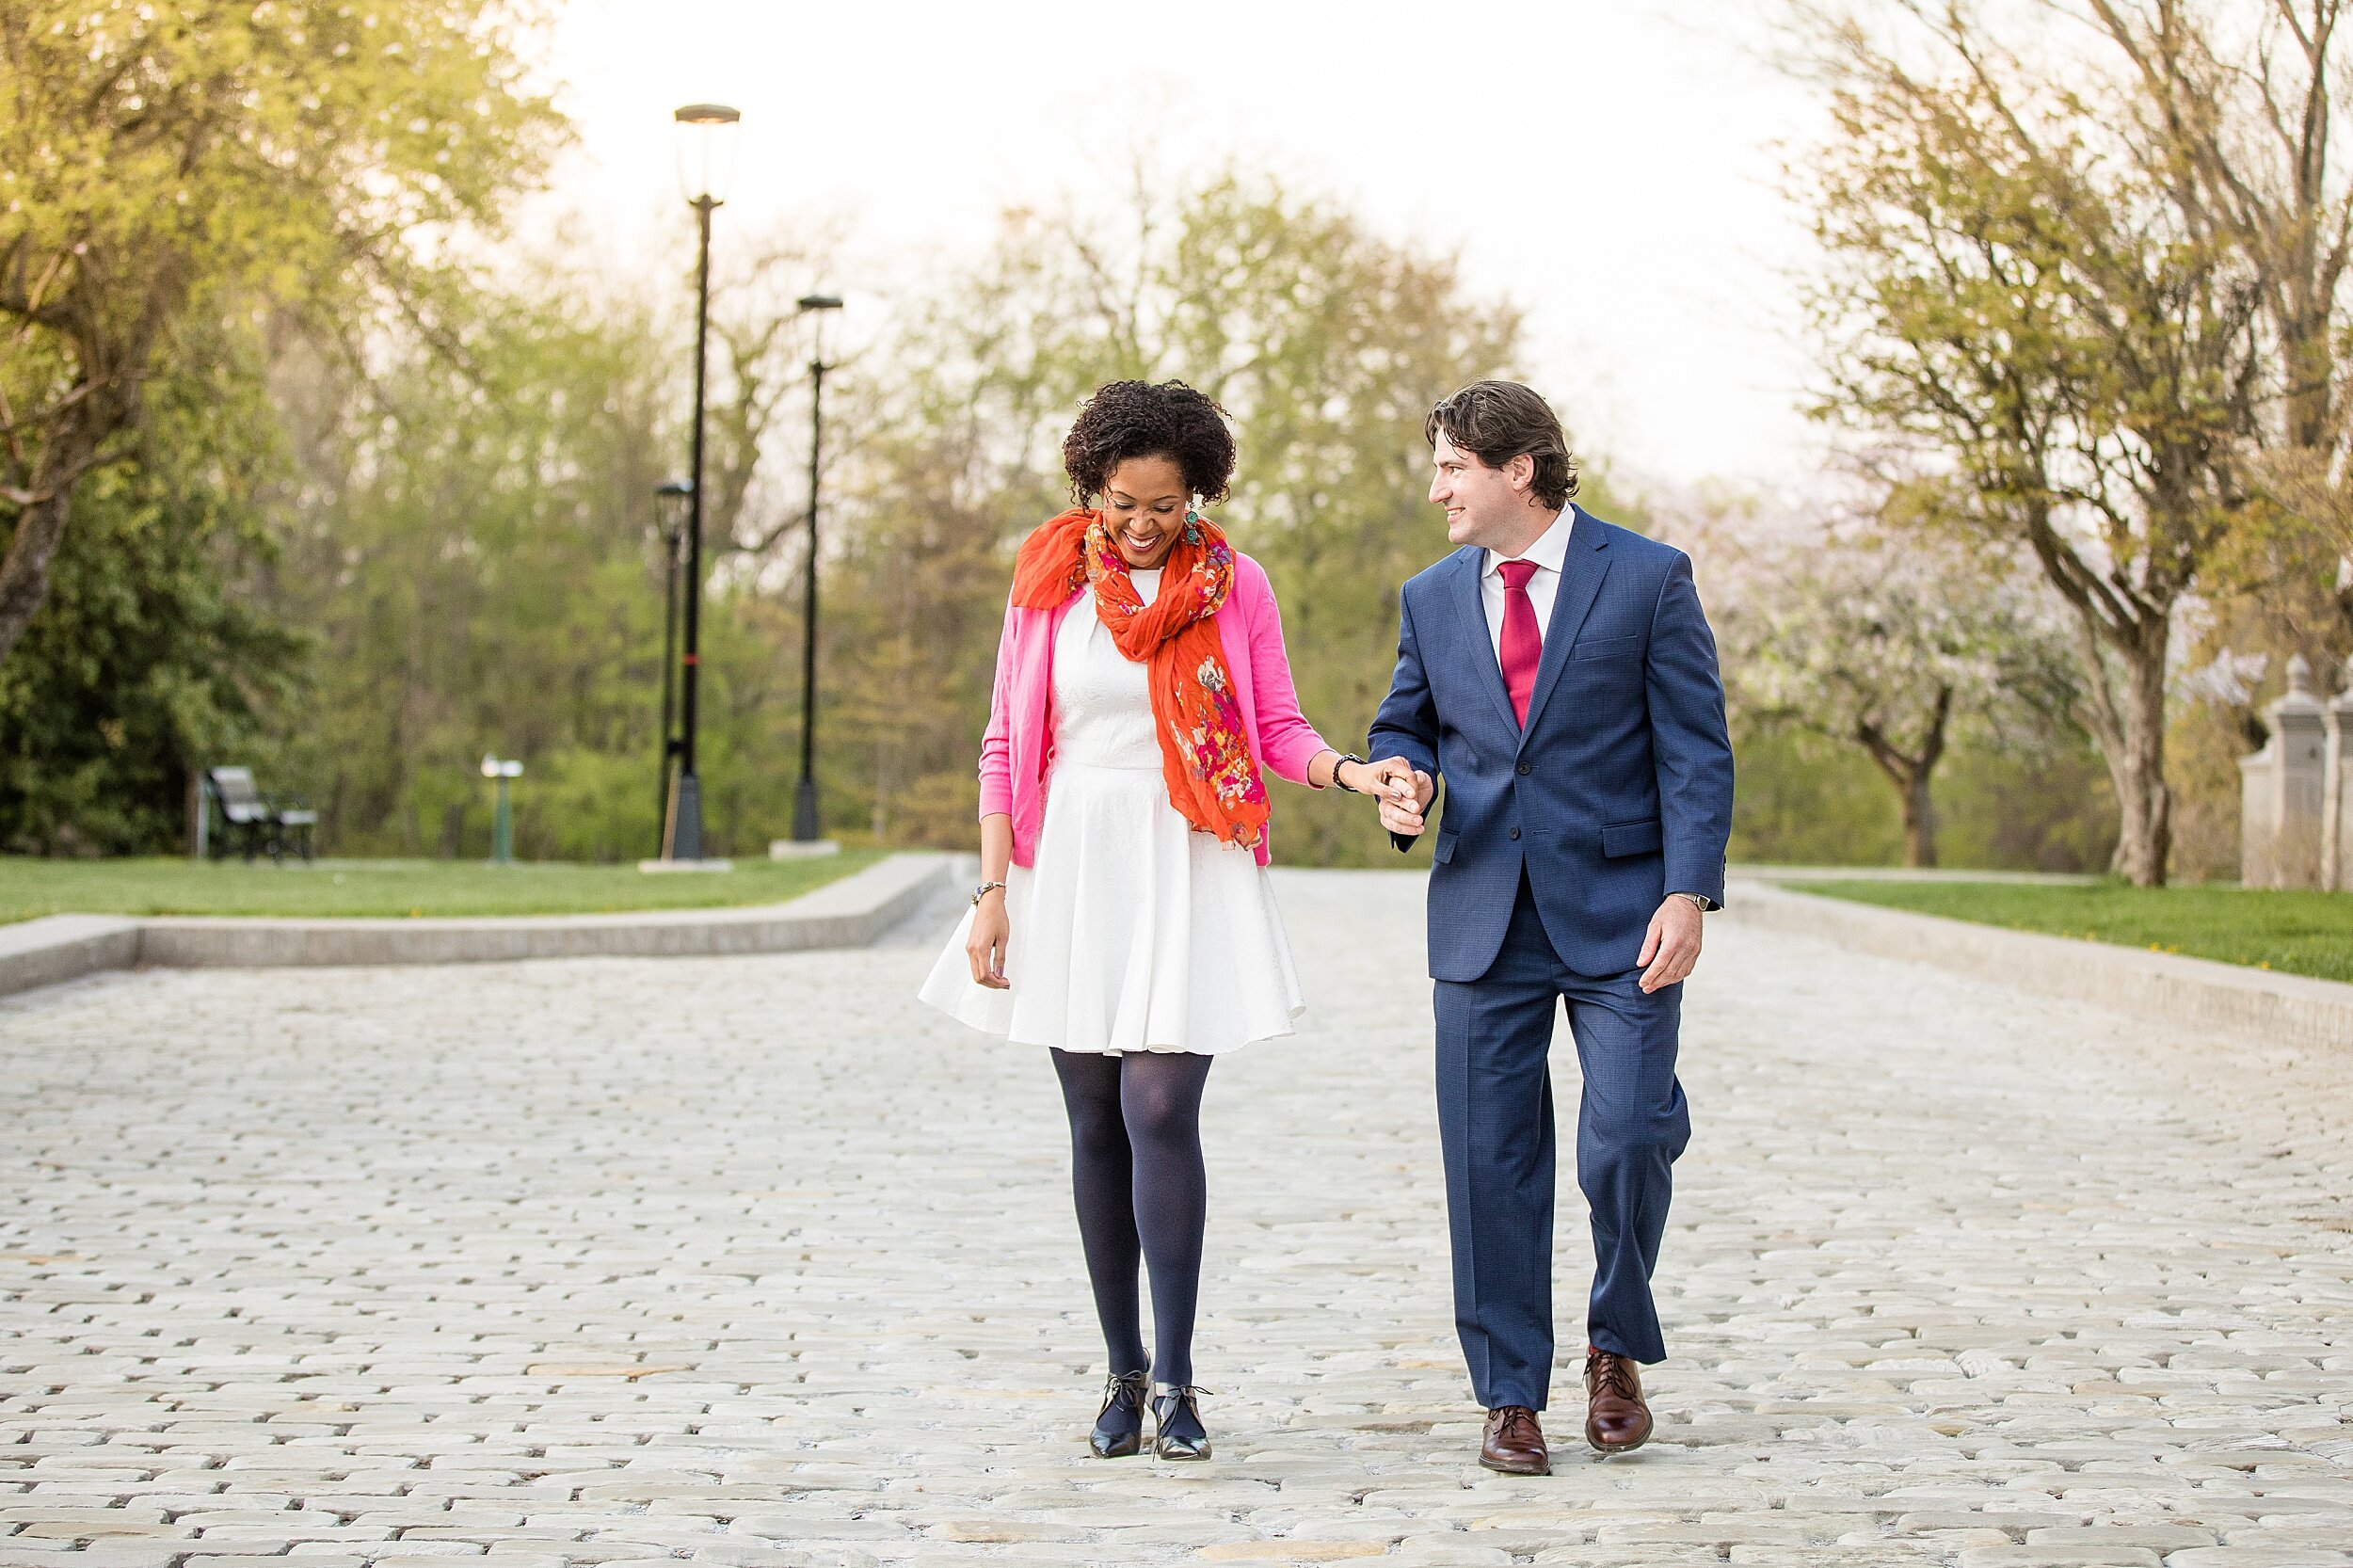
253,819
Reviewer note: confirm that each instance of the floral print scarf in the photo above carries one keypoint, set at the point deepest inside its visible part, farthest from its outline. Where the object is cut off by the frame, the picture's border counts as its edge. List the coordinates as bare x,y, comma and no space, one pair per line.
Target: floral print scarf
1205,751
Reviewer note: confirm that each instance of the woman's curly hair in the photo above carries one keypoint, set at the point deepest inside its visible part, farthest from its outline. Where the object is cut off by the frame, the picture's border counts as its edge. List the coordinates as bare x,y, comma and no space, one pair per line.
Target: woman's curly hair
1139,419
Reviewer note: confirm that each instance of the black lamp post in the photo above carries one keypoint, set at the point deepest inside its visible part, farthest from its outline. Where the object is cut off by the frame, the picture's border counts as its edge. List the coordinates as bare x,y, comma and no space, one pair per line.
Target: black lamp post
669,508
805,828
706,149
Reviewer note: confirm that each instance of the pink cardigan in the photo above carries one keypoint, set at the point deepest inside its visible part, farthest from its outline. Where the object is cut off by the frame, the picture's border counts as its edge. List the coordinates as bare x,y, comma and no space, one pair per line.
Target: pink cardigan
1016,752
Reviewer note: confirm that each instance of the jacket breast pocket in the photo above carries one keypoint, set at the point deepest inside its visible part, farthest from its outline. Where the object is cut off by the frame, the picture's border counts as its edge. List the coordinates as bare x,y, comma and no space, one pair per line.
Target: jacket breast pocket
1606,648
1631,838
1445,850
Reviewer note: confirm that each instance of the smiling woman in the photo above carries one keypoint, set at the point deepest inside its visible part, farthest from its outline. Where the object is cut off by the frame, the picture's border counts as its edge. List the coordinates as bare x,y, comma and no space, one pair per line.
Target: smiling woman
1127,920
1150,453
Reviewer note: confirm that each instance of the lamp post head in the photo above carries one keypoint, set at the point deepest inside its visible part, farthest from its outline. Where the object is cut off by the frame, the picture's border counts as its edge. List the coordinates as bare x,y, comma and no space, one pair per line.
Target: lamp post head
819,303
706,152
670,500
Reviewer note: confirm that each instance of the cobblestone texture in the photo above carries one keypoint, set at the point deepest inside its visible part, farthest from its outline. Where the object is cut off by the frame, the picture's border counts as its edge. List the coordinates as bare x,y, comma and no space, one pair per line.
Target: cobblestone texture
755,1262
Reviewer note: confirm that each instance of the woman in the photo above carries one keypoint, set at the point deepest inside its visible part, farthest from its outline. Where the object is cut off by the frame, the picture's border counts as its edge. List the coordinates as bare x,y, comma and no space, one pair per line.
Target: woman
1125,917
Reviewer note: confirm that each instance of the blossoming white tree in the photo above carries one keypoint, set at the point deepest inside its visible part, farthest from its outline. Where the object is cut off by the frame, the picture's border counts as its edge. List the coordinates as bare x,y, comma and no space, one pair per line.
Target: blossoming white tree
1888,641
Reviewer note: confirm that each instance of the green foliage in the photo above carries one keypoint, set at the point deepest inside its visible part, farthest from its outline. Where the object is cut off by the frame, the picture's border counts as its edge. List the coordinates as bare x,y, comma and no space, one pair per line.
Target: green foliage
147,661
477,552
164,162
2045,808
2300,933
177,179
1805,800
258,142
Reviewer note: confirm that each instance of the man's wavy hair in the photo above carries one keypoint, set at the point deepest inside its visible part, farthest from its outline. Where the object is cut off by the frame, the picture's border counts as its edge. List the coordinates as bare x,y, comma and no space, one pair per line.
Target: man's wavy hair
1498,421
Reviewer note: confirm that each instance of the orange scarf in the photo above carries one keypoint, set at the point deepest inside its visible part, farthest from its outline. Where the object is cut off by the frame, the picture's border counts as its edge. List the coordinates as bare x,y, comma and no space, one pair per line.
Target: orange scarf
1205,750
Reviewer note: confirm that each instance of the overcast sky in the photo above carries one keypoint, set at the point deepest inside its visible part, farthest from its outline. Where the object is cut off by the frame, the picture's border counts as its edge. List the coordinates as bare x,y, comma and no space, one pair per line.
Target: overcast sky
1609,167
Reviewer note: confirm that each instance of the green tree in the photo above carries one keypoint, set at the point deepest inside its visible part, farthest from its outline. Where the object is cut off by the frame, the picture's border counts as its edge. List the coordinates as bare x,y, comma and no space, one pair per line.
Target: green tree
168,165
2016,296
149,658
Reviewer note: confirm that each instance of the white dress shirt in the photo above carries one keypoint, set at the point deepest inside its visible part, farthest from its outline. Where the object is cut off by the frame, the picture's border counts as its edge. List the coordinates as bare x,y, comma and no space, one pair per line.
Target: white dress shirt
1550,548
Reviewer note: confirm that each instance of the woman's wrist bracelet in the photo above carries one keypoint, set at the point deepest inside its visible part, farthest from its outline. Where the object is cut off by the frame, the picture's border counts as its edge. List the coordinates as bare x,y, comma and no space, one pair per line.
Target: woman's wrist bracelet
1346,758
983,890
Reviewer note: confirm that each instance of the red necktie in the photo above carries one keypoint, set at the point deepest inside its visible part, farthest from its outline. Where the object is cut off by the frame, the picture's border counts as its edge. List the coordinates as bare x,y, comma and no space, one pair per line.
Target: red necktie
1523,643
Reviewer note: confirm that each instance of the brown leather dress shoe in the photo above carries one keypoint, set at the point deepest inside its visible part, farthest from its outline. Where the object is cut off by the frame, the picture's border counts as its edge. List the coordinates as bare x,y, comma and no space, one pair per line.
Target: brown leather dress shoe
1515,1443
1617,1418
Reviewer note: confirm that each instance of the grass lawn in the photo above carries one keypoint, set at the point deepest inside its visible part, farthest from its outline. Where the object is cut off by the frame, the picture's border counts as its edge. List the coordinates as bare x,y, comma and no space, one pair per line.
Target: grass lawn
30,887
2299,932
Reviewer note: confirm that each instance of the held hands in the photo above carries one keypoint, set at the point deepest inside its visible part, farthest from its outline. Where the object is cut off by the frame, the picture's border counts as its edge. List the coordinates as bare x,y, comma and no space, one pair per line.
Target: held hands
1671,949
986,947
1404,792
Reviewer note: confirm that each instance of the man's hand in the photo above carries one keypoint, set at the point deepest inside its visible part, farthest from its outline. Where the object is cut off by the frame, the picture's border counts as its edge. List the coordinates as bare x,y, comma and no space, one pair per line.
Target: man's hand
1671,949
1405,796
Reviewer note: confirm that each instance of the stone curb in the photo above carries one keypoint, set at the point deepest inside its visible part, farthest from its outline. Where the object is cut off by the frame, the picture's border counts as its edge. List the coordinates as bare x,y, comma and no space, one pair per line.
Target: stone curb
2200,993
58,948
851,912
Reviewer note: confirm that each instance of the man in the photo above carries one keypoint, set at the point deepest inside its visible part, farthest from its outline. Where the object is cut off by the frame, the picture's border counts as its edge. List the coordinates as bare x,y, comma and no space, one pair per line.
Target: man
1558,674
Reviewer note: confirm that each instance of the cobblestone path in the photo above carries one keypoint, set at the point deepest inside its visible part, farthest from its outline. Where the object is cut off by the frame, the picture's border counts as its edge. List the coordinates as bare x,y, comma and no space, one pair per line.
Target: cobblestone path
753,1261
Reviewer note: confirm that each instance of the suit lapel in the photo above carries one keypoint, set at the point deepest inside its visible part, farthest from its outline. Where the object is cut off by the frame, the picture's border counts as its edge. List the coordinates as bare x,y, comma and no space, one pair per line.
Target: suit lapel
1472,614
1581,571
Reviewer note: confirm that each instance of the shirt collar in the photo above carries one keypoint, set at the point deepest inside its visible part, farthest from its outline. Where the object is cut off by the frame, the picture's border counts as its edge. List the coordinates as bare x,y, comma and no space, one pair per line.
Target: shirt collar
1549,551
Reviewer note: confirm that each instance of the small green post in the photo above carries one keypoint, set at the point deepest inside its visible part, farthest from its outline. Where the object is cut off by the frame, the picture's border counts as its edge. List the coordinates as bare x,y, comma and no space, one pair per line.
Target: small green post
502,815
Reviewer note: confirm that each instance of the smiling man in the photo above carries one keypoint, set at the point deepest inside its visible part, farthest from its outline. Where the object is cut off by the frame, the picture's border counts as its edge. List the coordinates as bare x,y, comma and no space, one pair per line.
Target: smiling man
1558,674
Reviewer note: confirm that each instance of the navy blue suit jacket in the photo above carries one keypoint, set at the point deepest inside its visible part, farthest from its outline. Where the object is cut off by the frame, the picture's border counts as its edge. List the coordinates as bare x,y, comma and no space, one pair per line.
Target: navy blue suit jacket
1618,793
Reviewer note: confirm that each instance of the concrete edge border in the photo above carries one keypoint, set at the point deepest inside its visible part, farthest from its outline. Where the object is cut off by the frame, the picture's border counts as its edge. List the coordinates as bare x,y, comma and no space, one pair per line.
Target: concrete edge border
2200,993
851,912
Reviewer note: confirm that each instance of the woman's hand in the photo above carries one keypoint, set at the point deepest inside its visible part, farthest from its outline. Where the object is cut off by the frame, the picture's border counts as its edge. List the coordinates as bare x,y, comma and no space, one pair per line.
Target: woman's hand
991,931
1389,779
1405,792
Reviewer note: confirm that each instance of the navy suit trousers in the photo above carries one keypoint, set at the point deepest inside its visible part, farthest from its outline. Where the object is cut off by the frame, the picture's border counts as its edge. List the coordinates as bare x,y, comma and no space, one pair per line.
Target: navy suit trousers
1495,1121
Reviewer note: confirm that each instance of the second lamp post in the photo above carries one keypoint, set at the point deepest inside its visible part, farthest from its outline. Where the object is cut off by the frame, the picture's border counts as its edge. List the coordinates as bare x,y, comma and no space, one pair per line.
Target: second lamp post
804,830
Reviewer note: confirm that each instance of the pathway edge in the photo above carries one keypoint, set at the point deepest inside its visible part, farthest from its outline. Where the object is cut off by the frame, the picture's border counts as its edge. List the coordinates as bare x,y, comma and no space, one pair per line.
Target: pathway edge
2203,993
851,912
58,948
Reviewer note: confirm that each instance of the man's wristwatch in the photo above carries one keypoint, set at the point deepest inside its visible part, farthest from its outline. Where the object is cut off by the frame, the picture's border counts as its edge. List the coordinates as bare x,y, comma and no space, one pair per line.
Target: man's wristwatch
1700,902
983,890
1345,758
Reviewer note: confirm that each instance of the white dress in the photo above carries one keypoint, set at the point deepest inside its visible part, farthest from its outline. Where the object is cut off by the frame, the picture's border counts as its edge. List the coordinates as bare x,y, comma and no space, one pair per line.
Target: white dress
1132,932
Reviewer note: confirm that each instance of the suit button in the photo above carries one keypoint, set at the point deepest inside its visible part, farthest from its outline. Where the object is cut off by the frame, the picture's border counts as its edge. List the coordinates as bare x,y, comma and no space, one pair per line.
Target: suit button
1515,833
1524,769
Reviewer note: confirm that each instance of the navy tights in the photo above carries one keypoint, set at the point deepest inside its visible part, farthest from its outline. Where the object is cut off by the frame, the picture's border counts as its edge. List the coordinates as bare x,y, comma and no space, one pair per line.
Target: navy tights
1142,1195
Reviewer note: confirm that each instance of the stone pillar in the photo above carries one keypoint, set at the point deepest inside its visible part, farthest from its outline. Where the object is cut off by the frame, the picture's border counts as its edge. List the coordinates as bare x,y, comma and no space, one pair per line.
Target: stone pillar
2282,789
2336,807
